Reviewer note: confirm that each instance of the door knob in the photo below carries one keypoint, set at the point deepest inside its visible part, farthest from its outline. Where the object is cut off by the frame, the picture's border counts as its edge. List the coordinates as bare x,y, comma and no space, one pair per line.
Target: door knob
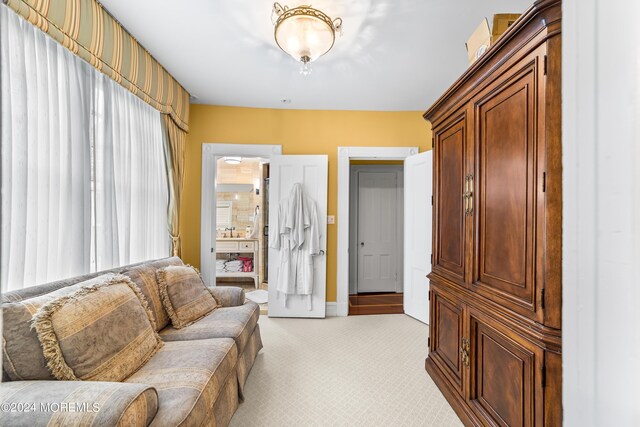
361,243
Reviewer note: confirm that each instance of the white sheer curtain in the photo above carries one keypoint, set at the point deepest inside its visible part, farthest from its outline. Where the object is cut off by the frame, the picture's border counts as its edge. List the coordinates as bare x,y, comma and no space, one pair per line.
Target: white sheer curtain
46,105
131,185
84,182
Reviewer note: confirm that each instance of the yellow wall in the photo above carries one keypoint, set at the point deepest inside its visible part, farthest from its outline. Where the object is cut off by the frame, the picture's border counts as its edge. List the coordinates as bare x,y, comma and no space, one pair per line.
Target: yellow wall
299,132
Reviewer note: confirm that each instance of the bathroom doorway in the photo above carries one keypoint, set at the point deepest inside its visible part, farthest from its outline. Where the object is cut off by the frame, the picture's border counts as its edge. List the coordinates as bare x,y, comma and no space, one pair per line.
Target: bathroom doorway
239,225
241,248
239,238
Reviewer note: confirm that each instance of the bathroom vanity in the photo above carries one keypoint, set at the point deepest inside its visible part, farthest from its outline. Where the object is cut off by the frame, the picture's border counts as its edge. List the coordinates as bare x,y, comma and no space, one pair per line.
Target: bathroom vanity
242,247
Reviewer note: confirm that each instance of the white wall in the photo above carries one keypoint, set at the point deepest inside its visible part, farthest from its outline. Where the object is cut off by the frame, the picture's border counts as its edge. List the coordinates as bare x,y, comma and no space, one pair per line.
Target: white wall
601,219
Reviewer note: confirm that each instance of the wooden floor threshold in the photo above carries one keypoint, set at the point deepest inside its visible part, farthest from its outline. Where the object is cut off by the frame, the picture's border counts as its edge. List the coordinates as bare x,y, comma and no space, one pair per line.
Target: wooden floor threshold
364,304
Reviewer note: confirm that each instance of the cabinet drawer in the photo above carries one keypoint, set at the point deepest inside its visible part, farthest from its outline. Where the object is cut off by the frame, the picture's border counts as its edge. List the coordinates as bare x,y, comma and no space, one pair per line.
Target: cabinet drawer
247,246
222,246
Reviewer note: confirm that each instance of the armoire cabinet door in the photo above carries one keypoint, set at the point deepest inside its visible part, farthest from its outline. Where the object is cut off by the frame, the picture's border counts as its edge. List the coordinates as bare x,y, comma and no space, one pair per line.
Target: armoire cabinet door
506,185
450,141
505,374
446,332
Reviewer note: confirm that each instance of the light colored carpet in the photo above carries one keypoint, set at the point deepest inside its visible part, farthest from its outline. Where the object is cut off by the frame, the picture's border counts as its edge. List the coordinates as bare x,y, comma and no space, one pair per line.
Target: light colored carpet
343,371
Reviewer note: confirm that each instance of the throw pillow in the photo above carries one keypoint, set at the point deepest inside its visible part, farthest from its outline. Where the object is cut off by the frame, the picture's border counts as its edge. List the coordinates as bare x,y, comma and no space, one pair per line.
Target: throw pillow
184,295
22,352
102,332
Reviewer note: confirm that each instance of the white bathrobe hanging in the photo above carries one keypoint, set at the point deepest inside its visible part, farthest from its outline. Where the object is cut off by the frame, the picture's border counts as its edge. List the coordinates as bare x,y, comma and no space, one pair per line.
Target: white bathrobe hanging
296,235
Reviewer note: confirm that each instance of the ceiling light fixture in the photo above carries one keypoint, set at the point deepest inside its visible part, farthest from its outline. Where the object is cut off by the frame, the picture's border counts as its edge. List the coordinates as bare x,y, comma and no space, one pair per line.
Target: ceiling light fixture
232,160
304,33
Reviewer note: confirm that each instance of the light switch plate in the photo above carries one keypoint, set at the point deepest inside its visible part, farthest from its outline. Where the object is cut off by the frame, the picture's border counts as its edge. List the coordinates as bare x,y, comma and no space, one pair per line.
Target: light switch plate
331,219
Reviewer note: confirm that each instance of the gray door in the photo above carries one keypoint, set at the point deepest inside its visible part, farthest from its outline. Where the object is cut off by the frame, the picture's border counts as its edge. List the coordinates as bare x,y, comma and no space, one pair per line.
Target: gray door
378,202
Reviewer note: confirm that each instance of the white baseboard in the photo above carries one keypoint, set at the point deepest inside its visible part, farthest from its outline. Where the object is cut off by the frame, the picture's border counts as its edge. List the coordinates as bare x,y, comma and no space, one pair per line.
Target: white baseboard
331,309
342,309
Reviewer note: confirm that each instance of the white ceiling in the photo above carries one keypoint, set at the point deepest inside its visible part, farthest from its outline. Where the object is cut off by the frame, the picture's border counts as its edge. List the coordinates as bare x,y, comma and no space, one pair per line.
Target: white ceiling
394,55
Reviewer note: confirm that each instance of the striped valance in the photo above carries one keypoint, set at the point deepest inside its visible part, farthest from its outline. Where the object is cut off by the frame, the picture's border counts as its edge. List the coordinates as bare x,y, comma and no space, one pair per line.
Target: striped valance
89,31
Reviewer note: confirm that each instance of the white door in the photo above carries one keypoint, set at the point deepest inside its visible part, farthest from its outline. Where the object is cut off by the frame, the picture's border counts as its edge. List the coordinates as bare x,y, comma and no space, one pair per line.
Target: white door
312,173
378,199
418,189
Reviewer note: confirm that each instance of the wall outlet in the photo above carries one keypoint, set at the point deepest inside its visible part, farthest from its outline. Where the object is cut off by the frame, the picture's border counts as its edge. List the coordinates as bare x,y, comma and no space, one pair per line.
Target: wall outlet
331,219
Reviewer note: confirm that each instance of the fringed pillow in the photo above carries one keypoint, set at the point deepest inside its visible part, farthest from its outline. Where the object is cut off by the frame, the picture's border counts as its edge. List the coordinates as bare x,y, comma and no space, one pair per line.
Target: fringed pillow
102,332
144,276
22,355
184,295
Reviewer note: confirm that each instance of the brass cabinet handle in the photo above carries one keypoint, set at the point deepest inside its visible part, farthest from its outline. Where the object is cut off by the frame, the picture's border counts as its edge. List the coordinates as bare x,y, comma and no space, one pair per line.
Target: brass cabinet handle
465,195
464,351
468,195
464,356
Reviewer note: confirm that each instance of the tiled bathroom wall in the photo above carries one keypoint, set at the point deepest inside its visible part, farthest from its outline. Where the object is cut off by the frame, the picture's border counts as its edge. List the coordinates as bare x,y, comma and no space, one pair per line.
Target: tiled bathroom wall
243,207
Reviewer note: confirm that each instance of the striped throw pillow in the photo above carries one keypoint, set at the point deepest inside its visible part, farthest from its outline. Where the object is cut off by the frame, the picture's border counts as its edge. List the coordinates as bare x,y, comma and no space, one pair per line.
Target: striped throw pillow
102,332
184,295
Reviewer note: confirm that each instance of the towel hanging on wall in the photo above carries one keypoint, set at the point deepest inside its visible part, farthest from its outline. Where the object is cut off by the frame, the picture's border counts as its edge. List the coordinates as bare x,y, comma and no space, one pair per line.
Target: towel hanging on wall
256,224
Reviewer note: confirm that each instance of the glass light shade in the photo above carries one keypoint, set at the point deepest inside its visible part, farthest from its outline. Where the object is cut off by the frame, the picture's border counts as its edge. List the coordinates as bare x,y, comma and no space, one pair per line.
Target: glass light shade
304,37
232,160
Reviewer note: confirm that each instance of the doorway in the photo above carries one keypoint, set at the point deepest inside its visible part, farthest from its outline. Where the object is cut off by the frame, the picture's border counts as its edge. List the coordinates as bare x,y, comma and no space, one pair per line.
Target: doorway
310,174
240,251
211,153
376,234
417,220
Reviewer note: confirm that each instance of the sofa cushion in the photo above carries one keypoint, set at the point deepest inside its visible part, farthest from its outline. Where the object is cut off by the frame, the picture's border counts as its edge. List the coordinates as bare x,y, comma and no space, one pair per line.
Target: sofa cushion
101,332
77,403
184,295
225,322
188,376
144,276
22,353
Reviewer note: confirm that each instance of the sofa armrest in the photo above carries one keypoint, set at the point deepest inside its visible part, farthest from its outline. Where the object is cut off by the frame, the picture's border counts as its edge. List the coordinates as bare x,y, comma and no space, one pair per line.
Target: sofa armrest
228,296
75,403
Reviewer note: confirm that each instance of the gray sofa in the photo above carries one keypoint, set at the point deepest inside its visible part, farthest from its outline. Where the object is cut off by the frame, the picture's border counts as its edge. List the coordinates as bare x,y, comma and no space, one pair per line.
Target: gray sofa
195,379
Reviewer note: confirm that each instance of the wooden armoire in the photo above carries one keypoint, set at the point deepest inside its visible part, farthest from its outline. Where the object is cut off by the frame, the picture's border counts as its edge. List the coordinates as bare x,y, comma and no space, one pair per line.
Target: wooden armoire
496,282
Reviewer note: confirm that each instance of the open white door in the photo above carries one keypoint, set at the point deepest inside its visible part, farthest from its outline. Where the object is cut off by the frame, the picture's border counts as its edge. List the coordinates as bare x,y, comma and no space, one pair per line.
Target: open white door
312,173
418,188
